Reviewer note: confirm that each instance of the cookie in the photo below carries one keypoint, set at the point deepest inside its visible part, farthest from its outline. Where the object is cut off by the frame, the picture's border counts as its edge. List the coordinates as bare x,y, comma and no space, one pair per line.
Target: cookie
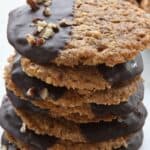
30,139
73,103
83,77
67,130
77,115
33,89
89,32
89,132
84,113
132,142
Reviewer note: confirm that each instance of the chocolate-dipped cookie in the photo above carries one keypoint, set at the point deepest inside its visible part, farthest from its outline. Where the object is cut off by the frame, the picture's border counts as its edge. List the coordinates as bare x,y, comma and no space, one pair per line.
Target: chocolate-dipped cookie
18,133
41,123
74,106
75,82
74,34
132,142
84,77
90,112
31,88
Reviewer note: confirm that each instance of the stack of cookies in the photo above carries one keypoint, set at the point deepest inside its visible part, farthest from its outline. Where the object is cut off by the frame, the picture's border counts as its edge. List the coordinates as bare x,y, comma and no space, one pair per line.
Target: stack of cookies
74,81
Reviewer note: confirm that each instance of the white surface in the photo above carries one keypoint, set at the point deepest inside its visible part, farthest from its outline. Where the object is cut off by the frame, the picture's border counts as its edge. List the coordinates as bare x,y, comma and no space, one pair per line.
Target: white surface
6,49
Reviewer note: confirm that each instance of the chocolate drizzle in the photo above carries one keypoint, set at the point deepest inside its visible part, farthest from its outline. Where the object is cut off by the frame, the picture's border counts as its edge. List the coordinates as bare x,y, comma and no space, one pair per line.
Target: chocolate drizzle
12,124
19,26
122,72
123,108
25,82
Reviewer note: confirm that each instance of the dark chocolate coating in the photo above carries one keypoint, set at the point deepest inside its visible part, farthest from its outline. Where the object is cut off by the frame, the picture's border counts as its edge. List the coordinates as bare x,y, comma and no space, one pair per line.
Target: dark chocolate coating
25,82
133,143
23,104
122,72
123,108
19,25
12,124
102,131
6,143
93,132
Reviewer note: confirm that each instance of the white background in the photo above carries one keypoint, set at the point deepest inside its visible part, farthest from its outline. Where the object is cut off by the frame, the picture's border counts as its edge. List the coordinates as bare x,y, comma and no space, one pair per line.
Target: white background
6,50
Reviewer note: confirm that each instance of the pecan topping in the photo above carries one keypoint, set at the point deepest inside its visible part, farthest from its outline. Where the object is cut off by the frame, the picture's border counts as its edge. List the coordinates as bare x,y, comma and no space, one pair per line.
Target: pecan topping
30,39
43,32
31,92
40,25
44,93
34,41
39,41
47,33
23,128
46,30
47,11
33,4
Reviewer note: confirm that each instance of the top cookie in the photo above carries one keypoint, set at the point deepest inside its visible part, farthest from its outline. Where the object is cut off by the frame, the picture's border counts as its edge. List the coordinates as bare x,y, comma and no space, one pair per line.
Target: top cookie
74,32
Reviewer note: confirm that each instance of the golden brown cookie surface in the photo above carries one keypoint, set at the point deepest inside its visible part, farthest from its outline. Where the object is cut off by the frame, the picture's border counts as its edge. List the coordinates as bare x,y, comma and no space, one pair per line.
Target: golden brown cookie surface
105,31
72,104
90,132
72,98
89,112
66,130
78,132
89,78
76,84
